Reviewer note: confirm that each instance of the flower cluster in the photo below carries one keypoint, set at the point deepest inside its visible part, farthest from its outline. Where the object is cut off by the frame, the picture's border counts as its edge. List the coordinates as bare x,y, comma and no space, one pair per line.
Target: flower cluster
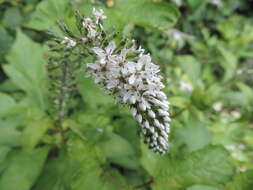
132,78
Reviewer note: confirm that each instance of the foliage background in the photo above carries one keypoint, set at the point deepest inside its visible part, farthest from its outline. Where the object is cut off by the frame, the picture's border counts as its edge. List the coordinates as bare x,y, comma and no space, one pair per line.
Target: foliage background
205,50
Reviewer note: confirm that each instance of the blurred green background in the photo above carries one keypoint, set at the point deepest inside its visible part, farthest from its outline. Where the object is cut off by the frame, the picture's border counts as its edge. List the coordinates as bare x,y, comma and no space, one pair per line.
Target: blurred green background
205,51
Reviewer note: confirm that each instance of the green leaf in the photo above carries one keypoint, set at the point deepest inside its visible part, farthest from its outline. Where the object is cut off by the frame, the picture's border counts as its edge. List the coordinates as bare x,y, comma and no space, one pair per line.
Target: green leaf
7,104
48,12
242,181
194,135
101,99
34,131
119,151
228,62
202,187
90,173
5,41
9,135
153,15
4,150
208,166
57,174
23,169
190,66
12,18
26,68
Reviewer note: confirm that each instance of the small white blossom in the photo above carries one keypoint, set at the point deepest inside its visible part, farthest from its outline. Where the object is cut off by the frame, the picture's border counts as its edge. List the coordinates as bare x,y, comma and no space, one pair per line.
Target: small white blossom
235,114
217,106
99,15
70,43
178,35
217,3
178,2
185,86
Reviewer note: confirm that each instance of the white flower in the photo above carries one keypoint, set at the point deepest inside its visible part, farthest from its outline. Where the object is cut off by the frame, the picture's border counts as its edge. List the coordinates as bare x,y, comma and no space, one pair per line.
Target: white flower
178,2
178,36
185,86
235,114
217,3
88,23
70,43
217,106
130,75
99,15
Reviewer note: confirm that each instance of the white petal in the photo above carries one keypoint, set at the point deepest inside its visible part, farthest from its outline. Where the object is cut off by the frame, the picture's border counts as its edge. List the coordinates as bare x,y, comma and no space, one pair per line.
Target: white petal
132,79
139,118
151,114
142,106
110,48
167,119
98,51
132,100
133,111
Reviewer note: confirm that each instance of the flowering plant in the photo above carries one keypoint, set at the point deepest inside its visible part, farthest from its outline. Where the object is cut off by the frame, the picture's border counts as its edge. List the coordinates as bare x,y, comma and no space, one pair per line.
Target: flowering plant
127,73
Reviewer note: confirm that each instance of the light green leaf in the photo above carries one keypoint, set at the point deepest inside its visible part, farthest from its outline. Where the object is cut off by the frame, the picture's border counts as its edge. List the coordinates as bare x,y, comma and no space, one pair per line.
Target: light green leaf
95,97
23,169
228,62
153,15
208,166
9,135
90,173
7,104
194,135
26,68
4,150
48,12
190,66
202,187
34,131
119,151
242,181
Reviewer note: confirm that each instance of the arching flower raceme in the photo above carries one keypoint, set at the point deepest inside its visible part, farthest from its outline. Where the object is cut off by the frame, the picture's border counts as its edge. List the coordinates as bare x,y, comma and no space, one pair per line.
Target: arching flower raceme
133,79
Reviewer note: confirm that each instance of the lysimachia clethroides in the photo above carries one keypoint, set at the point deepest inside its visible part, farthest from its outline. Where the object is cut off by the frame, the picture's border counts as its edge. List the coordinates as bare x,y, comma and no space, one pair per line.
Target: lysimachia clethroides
128,73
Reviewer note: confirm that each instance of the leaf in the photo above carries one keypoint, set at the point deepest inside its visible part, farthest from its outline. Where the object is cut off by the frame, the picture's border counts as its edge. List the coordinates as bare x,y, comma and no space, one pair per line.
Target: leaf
119,151
208,166
23,170
158,16
4,150
5,41
57,174
190,66
91,174
48,12
101,99
7,104
12,18
26,68
9,135
33,132
194,135
228,62
242,181
202,187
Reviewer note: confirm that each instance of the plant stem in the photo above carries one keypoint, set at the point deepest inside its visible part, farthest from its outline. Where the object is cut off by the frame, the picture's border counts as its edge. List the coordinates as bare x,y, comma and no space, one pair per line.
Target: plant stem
62,94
